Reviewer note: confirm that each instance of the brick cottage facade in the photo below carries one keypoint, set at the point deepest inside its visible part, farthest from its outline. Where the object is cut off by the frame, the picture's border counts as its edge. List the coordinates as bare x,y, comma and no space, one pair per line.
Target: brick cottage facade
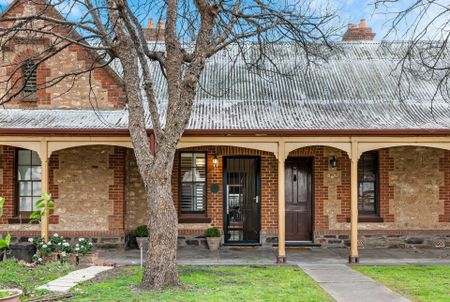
329,158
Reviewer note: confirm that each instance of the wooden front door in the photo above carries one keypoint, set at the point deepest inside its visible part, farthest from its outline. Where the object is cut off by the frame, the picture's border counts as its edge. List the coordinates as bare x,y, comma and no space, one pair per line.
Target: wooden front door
298,199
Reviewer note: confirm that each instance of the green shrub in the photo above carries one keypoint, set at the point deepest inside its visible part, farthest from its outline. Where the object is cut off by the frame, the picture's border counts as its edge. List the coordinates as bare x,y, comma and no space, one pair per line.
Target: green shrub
212,232
141,231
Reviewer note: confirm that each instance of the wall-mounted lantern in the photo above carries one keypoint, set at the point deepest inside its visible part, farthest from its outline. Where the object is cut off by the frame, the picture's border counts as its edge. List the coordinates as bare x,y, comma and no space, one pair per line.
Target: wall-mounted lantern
215,161
333,162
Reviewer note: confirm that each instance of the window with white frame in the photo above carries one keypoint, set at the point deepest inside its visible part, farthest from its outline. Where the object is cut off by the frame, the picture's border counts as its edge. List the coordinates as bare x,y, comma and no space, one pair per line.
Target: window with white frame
28,178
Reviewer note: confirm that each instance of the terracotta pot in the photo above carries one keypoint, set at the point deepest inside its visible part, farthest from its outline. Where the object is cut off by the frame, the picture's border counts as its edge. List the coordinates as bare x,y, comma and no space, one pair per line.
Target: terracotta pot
14,295
89,259
71,259
213,243
52,257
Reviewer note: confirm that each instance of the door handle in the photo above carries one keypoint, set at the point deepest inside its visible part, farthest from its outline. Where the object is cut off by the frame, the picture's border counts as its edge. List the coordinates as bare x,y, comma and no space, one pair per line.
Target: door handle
256,199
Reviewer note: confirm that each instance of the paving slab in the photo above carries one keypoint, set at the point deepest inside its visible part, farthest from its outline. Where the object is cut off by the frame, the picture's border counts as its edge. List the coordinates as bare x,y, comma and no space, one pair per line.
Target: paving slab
72,279
346,285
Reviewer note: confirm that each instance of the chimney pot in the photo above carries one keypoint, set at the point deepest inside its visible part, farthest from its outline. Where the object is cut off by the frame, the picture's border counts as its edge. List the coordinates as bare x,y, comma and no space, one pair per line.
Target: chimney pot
161,24
150,23
362,23
358,33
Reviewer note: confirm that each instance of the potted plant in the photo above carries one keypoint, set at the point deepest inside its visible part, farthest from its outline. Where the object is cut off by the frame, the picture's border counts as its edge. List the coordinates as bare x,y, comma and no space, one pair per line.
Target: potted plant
213,238
10,295
4,242
83,251
141,234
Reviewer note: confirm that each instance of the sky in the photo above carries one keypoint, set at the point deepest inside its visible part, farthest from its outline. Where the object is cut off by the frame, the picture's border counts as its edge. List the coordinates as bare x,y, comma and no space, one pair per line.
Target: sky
350,11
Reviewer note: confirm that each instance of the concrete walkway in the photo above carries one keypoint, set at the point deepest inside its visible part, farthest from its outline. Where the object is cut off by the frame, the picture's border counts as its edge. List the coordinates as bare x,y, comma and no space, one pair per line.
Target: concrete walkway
347,285
267,256
72,279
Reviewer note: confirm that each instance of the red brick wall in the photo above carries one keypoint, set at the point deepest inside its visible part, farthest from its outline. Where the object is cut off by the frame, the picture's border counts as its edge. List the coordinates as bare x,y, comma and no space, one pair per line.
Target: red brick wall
269,185
386,191
53,164
7,163
444,189
117,190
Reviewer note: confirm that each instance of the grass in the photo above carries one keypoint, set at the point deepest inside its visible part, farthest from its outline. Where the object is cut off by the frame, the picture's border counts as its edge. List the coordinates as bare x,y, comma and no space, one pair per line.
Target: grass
213,283
418,283
15,275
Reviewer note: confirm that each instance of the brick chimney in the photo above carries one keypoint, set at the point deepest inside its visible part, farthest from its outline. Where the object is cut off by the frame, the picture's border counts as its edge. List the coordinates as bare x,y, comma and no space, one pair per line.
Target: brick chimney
154,34
358,33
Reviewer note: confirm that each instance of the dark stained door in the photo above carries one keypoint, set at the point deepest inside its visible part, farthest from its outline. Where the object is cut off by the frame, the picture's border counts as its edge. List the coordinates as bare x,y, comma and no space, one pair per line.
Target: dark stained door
242,204
298,199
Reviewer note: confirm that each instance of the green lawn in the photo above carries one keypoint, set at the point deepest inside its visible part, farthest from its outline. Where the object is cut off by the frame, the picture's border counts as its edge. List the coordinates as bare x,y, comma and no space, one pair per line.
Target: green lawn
419,283
213,283
14,275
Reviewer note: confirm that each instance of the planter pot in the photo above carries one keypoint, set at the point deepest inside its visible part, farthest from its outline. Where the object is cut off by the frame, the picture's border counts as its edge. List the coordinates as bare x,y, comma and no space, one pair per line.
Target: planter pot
23,251
142,242
88,260
51,258
71,259
13,295
213,243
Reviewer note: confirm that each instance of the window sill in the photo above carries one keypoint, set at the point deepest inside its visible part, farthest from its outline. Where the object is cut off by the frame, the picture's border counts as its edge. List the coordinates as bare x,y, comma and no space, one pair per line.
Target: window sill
373,219
194,220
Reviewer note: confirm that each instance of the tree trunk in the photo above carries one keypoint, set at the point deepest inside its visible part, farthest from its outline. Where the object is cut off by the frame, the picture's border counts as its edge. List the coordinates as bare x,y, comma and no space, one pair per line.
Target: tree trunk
160,269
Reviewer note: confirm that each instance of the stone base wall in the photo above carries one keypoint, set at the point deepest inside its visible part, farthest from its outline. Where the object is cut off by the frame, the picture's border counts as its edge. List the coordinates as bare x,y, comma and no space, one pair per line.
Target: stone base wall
387,240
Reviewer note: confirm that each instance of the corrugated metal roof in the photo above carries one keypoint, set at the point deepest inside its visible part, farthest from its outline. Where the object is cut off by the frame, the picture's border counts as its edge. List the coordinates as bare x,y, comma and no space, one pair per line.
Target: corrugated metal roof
356,89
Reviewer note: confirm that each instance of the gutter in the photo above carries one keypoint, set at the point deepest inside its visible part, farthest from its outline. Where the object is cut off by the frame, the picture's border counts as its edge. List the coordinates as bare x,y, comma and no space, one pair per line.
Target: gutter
229,132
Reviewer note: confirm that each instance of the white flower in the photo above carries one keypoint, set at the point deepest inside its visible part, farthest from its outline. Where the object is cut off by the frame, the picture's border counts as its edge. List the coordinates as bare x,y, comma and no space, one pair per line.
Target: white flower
49,243
40,259
77,249
81,239
59,243
77,244
63,254
55,235
66,244
30,239
44,246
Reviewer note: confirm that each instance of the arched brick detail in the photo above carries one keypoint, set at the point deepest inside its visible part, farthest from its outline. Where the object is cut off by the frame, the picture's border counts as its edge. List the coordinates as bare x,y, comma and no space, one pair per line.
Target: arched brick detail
15,72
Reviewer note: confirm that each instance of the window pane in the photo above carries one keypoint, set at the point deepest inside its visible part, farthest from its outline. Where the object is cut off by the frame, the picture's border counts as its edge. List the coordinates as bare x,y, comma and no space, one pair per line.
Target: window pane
26,204
36,173
367,181
186,197
199,194
36,189
24,173
200,159
25,189
24,157
35,160
193,182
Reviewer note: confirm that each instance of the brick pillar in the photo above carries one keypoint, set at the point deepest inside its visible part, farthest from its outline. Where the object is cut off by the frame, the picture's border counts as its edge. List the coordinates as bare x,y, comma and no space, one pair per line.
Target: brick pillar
385,166
444,190
7,164
117,190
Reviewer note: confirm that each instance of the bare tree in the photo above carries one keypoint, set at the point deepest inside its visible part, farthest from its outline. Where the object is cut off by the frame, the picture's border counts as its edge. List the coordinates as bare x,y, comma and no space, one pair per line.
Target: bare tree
112,31
424,28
